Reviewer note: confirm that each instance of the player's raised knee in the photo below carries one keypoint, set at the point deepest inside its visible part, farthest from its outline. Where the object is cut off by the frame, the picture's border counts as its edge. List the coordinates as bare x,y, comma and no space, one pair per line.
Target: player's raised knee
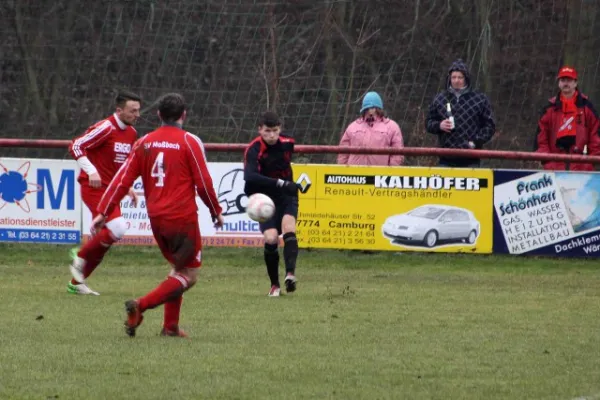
117,227
188,276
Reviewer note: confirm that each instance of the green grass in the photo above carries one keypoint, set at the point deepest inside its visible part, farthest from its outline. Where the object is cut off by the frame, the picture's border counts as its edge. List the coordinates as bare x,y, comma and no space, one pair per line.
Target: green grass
381,326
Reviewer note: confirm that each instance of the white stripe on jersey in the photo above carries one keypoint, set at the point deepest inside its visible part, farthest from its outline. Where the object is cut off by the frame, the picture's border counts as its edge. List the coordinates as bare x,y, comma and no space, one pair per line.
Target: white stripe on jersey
197,139
90,136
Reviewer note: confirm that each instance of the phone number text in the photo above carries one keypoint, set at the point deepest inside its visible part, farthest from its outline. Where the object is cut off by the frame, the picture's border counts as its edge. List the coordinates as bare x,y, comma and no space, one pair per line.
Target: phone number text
39,235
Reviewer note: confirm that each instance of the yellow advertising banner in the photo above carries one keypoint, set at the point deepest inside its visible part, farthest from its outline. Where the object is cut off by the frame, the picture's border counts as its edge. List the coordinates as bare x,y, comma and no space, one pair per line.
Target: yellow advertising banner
395,208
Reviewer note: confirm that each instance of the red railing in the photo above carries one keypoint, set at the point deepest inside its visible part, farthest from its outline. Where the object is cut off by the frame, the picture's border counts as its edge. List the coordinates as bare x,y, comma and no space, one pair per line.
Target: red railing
407,151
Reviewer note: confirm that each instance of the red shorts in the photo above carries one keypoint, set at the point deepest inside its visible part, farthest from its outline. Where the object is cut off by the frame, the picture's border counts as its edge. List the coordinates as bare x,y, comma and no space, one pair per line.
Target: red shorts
179,241
91,197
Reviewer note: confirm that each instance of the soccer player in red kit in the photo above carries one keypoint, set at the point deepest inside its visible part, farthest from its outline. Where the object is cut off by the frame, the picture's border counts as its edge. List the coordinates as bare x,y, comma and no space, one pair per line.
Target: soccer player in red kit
100,152
173,168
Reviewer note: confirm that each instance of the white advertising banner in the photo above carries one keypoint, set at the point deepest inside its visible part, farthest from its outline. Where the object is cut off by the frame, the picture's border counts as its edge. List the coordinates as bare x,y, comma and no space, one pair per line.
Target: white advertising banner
555,213
40,201
534,211
228,180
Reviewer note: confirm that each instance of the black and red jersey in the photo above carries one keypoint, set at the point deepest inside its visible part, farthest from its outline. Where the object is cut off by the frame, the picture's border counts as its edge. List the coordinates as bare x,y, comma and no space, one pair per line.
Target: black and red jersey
265,164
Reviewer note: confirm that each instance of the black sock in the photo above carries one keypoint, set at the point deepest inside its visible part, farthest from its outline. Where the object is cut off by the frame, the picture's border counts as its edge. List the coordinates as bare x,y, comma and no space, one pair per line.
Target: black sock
290,251
272,261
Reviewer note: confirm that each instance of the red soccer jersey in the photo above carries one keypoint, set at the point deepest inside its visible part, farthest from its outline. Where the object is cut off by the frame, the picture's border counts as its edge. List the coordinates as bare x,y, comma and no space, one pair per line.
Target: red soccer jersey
173,168
106,144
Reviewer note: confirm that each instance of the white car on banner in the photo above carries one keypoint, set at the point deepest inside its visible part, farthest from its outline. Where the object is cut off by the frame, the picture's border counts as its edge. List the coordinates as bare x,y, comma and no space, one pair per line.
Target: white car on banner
432,225
230,192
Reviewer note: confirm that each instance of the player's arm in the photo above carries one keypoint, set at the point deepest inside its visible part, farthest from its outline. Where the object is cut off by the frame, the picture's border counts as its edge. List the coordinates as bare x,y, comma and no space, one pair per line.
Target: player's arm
80,146
252,173
202,178
121,183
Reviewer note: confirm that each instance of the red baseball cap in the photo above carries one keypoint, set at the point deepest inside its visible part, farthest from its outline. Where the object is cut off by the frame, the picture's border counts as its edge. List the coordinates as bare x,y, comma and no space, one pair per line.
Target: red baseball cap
567,72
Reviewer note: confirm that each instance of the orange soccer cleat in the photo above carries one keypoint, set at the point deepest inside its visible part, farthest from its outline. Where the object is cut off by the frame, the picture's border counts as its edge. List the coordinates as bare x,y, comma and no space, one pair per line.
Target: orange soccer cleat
173,332
134,317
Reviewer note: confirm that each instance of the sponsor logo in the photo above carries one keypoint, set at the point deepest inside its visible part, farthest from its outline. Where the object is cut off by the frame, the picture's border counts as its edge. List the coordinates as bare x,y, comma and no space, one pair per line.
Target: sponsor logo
304,182
124,148
434,182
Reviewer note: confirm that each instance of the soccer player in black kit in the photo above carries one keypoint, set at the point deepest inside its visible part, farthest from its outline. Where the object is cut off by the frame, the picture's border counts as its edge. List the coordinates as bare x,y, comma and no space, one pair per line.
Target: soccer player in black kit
268,170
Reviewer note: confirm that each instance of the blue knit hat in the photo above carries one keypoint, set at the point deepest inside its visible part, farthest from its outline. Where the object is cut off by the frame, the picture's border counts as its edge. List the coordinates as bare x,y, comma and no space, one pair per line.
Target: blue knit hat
372,99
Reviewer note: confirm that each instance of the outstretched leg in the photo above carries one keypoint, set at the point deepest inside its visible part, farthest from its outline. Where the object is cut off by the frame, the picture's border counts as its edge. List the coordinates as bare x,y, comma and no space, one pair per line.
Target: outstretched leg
181,244
92,253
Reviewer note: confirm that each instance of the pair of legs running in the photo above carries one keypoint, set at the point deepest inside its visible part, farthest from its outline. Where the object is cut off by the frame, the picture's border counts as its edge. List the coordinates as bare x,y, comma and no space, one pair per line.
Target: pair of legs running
284,221
91,254
181,245
179,242
170,293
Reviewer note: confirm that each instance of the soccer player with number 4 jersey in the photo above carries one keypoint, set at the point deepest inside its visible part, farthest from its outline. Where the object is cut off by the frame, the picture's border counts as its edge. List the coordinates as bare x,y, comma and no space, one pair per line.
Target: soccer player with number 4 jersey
173,168
100,152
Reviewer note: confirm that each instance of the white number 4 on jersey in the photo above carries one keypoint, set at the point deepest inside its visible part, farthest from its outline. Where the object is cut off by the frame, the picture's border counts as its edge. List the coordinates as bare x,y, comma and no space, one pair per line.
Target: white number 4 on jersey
158,170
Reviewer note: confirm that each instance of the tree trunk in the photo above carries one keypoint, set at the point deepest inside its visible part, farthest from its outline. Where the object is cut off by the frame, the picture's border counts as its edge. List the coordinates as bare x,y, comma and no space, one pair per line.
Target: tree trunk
63,31
484,43
332,71
581,46
30,69
273,46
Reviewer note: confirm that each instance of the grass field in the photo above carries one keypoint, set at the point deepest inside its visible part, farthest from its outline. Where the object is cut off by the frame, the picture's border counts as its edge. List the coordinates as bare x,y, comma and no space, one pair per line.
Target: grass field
381,326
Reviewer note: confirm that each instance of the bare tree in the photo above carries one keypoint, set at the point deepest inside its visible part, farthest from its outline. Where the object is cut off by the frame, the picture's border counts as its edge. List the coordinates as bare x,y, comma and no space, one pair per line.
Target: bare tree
31,71
484,42
63,24
332,67
581,44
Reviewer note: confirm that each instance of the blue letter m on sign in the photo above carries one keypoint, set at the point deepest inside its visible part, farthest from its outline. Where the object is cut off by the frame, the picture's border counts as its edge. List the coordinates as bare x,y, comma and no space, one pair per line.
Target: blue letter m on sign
67,182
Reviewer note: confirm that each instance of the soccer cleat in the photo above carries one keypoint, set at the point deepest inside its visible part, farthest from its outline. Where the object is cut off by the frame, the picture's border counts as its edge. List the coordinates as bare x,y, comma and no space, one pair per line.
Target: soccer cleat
290,282
82,288
173,332
134,317
77,265
275,291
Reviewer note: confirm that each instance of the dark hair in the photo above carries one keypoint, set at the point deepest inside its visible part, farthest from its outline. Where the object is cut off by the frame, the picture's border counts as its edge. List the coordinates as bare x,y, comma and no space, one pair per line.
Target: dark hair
124,96
380,113
171,107
269,119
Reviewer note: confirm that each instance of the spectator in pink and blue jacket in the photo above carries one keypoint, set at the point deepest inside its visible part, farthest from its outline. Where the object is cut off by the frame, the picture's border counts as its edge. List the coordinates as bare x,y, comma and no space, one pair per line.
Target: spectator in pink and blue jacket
372,129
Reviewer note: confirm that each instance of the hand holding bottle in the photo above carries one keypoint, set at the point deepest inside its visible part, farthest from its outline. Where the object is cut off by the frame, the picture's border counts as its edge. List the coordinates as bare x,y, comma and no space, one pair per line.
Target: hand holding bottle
447,125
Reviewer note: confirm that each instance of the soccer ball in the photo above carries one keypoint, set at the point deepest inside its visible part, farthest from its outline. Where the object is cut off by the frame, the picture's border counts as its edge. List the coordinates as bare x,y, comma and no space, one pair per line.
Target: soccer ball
260,207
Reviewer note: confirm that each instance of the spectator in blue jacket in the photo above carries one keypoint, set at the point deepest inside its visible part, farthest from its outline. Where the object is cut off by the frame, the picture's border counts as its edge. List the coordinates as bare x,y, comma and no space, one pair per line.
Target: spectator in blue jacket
461,117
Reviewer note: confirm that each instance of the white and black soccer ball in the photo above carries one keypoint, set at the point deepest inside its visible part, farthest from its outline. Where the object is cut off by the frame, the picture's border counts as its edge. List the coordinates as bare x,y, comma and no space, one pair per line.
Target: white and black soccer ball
260,207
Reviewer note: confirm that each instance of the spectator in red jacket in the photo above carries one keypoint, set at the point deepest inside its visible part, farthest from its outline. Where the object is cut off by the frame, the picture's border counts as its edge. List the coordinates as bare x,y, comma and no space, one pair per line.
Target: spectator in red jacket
569,125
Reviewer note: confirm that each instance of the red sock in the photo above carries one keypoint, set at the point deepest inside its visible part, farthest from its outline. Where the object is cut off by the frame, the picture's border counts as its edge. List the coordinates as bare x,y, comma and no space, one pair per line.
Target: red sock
172,309
169,289
94,250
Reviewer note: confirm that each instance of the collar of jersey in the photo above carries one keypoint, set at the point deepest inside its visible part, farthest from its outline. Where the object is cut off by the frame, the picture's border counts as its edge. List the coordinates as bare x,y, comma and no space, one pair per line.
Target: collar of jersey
122,126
